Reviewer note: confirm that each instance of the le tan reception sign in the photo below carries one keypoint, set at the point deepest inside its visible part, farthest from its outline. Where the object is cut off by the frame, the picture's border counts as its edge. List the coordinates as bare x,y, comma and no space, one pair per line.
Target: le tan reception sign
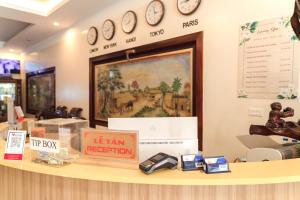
111,145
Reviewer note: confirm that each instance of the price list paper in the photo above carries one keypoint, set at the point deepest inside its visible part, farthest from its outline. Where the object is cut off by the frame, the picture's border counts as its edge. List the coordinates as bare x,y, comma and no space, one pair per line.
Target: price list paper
268,60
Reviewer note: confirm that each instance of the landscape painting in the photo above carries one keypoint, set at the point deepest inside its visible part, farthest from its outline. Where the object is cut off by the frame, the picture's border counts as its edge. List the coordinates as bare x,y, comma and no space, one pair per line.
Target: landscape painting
40,91
160,85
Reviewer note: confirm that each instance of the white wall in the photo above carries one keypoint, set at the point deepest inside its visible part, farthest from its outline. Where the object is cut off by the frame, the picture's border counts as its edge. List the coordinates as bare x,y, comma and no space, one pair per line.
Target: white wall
225,116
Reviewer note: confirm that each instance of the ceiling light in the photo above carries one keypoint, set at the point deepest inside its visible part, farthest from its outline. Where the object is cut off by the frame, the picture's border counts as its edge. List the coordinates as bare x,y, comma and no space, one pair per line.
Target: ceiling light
34,54
84,31
11,50
56,24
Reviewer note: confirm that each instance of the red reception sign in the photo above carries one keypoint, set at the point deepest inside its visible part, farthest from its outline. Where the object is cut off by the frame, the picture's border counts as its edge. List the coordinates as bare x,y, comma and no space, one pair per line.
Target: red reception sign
116,145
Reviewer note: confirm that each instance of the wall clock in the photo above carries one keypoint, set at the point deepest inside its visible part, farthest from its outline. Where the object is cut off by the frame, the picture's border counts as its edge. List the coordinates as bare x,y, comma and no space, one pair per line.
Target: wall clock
129,21
92,35
187,7
155,12
108,29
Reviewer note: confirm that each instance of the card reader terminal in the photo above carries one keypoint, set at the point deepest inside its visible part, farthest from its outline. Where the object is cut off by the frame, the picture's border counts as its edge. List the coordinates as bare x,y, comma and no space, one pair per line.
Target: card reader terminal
159,161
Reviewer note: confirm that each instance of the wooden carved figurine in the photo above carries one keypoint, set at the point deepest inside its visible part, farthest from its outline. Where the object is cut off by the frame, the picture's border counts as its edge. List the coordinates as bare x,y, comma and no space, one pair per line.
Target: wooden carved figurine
276,114
276,125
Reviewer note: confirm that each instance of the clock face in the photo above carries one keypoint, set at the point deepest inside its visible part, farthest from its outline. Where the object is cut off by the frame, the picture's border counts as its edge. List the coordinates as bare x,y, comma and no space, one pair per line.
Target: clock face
187,7
155,12
129,22
92,36
108,29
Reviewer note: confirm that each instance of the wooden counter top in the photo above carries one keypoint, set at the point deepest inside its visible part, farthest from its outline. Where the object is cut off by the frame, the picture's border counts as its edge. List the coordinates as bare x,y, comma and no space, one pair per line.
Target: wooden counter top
242,173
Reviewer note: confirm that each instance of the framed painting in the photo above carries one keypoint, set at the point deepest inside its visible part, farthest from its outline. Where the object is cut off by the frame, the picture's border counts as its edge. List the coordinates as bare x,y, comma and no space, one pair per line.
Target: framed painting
163,79
40,90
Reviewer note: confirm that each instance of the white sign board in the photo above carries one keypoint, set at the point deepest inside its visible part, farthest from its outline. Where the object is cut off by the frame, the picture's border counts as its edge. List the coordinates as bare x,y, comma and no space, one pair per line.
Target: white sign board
44,145
15,145
269,55
19,112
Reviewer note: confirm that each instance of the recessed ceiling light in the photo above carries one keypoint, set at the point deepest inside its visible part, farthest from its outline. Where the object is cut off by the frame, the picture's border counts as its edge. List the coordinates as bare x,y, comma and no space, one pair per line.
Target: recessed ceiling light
56,24
34,54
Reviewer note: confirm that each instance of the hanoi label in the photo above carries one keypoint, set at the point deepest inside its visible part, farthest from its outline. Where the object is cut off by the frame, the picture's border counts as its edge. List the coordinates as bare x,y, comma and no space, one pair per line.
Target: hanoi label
130,40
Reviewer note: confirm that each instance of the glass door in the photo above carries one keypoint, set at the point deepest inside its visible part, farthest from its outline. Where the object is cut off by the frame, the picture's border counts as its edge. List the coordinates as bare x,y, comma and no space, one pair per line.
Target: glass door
8,89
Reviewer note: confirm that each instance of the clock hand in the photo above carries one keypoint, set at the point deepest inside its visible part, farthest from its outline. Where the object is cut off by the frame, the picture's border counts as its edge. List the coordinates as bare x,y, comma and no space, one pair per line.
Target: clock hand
154,10
108,29
128,22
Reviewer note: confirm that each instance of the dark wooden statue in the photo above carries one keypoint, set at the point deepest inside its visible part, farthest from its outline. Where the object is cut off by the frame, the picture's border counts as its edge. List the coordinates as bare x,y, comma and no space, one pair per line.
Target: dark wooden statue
295,19
276,114
276,125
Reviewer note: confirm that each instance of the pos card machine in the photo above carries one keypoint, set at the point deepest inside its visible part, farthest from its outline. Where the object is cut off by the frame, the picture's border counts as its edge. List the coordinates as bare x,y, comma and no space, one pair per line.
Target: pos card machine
159,161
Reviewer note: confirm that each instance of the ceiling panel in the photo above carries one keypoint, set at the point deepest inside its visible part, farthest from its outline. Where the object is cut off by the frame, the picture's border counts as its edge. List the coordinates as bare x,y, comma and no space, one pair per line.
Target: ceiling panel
9,28
42,26
39,7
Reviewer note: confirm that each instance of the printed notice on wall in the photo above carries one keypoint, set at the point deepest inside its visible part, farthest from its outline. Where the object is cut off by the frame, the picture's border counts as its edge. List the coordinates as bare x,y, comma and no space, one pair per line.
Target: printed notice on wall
269,54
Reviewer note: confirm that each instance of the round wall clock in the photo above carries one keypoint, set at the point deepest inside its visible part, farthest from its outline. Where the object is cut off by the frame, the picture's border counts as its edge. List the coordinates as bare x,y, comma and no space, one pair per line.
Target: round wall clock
92,35
129,21
155,12
187,7
108,29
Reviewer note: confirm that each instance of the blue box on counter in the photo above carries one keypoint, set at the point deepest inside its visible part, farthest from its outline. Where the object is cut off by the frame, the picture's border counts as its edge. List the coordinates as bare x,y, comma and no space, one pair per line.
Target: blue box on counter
191,162
216,164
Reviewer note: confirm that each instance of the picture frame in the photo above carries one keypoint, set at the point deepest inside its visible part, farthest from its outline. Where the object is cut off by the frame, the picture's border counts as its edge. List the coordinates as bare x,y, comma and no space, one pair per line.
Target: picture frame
141,82
43,96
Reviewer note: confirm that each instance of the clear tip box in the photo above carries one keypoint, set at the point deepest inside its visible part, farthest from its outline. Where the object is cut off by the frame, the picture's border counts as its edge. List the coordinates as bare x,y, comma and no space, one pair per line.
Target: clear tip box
66,132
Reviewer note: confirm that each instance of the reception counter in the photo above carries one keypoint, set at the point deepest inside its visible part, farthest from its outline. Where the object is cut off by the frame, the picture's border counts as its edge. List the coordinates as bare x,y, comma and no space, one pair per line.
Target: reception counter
264,180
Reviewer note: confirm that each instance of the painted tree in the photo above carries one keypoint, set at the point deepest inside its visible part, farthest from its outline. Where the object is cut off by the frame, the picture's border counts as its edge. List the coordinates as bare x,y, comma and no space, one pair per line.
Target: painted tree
187,93
147,89
128,87
176,85
108,82
102,86
187,89
135,85
164,88
115,82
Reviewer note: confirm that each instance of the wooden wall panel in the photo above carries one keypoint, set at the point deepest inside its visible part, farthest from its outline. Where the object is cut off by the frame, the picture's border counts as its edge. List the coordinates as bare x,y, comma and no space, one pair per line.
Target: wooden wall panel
21,185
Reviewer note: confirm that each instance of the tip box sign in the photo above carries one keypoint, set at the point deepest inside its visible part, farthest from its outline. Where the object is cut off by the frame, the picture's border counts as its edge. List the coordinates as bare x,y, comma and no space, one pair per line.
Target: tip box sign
44,145
15,145
115,145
